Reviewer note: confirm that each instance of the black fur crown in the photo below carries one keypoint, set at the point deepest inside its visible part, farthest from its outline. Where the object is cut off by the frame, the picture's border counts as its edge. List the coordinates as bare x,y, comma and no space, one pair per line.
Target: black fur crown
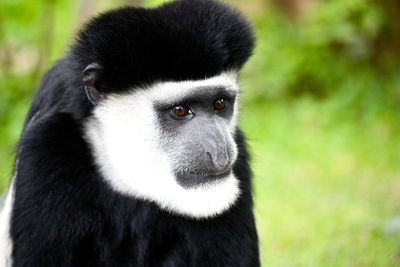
184,39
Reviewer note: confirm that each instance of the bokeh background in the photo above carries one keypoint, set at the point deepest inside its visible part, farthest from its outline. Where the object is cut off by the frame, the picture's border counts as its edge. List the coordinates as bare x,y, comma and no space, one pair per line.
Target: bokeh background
320,106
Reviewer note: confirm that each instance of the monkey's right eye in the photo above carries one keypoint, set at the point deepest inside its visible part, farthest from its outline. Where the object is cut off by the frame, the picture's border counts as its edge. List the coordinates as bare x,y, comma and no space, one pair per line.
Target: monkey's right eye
181,111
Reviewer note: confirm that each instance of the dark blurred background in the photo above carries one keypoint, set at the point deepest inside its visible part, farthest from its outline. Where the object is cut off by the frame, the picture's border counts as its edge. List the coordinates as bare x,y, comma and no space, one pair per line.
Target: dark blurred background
320,106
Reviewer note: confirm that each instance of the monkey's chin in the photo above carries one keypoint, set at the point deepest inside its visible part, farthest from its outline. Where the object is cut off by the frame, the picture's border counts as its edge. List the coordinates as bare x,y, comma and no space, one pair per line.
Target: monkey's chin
207,198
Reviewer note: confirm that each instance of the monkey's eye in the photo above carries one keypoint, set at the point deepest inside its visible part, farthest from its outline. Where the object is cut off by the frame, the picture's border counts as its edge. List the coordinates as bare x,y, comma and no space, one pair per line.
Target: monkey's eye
181,111
219,104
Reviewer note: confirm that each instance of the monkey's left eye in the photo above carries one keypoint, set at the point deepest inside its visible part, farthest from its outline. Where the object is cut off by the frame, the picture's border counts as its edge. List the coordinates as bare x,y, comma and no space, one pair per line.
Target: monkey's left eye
219,104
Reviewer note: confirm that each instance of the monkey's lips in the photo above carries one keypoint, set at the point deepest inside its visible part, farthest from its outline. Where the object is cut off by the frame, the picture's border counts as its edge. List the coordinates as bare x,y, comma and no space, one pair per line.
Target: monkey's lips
194,179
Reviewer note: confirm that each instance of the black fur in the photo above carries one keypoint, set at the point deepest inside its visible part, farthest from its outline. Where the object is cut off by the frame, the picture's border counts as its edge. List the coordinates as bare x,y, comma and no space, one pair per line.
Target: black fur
177,41
64,214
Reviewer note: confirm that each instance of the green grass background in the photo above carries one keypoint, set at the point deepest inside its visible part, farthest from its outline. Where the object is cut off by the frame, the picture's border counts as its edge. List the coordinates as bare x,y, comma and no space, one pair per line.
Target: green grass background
320,108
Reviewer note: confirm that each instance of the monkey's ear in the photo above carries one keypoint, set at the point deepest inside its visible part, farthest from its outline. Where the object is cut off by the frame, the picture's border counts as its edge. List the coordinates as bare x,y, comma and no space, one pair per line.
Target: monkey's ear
90,77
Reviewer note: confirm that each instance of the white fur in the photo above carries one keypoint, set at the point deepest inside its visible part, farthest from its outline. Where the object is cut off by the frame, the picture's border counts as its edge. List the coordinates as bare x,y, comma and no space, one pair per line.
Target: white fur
5,217
174,91
126,144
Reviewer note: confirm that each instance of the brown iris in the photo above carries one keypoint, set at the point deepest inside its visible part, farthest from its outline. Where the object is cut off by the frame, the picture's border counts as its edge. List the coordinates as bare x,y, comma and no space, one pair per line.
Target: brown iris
219,104
180,111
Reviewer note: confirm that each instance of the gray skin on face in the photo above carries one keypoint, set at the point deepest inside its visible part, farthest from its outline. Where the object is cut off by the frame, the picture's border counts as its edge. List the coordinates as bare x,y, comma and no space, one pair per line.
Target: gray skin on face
199,144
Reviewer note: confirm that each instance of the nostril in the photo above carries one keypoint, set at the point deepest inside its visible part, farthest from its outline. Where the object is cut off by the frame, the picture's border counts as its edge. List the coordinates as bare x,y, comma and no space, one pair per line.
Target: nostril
210,160
209,163
227,164
218,163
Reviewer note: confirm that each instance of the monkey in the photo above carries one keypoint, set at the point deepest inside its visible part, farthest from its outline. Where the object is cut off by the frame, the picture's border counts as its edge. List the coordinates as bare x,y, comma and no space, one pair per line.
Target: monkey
130,154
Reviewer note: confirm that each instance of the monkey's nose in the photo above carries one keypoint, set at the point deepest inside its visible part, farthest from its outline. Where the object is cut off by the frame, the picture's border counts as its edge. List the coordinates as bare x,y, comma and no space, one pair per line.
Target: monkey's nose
217,163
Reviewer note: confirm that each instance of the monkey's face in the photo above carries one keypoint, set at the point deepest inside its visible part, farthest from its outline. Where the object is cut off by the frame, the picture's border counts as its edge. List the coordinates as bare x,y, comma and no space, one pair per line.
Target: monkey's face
171,143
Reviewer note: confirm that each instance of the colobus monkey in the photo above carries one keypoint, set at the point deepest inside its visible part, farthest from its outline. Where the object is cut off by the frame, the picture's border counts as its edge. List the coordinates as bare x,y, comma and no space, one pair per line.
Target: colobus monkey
130,154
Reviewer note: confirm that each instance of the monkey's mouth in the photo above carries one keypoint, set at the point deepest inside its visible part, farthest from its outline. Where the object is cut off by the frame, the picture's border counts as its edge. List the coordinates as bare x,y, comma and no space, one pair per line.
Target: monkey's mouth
195,179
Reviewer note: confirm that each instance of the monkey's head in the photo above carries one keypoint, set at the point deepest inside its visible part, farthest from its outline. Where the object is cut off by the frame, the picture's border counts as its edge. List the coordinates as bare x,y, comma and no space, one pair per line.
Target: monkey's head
162,85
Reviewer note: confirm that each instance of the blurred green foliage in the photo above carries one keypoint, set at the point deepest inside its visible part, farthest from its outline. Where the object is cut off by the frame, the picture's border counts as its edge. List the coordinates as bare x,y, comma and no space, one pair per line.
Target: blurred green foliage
320,106
330,46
